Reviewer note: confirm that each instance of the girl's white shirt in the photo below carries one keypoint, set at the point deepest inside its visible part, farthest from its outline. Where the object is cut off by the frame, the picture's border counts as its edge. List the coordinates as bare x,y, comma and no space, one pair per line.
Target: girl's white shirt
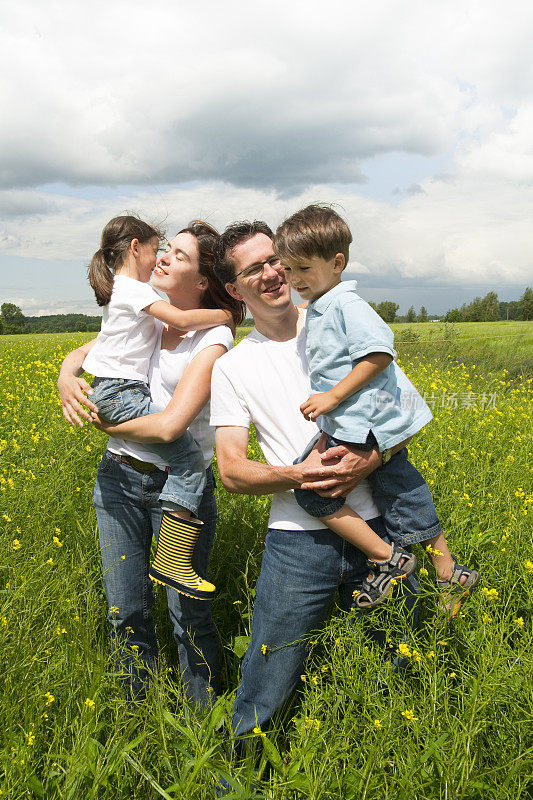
165,370
128,335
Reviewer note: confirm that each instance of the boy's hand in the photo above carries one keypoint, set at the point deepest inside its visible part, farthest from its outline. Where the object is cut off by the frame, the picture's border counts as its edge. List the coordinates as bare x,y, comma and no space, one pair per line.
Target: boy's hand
318,404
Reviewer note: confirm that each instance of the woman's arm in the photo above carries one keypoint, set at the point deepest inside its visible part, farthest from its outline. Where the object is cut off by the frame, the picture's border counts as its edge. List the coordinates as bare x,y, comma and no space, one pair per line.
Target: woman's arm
72,387
190,396
194,319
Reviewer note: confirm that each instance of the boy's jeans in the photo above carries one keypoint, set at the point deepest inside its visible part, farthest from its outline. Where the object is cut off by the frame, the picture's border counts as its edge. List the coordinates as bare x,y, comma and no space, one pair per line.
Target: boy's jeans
398,490
129,514
300,573
120,399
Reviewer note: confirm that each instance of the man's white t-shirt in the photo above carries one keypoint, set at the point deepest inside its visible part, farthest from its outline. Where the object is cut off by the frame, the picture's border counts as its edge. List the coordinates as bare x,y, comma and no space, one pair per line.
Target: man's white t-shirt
264,382
128,334
165,371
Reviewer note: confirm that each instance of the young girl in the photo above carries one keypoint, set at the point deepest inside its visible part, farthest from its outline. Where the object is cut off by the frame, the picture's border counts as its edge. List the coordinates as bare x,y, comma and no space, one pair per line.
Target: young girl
119,273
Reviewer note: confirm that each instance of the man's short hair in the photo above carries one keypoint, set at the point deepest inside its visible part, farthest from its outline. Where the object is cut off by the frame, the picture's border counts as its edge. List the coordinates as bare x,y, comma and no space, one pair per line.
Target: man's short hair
235,234
316,230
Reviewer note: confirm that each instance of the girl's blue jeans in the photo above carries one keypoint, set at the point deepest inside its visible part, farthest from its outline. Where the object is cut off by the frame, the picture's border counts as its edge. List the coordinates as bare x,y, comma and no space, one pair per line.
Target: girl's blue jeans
300,573
120,399
129,515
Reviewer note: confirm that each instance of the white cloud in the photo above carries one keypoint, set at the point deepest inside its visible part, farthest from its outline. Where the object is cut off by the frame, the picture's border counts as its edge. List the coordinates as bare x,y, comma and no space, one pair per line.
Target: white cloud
233,111
451,233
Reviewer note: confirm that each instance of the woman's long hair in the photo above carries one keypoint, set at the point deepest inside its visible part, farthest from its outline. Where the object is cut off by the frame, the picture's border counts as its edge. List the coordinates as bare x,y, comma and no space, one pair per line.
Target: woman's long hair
215,296
116,239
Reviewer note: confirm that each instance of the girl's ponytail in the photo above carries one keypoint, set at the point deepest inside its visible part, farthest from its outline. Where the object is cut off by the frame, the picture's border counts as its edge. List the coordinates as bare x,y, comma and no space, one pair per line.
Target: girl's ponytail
101,278
116,239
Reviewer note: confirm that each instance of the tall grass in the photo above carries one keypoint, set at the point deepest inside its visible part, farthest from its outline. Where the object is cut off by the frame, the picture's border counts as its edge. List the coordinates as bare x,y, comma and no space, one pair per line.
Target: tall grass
456,725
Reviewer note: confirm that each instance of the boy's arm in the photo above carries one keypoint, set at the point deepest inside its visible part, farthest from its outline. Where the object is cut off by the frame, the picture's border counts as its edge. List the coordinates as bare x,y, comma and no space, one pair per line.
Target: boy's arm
368,368
194,319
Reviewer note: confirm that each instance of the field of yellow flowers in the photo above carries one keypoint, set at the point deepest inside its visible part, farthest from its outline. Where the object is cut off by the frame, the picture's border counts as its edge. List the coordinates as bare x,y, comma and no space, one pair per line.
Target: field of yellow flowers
456,725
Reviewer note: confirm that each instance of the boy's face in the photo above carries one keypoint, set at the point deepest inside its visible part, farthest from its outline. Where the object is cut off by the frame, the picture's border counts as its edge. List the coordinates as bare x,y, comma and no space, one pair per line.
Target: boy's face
315,276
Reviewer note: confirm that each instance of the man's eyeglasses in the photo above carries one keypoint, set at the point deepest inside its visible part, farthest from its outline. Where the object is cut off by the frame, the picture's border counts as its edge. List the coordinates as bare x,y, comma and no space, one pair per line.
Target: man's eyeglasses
254,270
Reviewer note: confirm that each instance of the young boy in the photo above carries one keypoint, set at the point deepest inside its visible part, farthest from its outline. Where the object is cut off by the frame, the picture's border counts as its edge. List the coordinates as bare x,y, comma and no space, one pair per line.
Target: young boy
350,351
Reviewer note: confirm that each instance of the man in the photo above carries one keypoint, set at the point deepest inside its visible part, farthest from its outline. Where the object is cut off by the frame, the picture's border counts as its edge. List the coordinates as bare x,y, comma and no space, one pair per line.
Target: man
264,380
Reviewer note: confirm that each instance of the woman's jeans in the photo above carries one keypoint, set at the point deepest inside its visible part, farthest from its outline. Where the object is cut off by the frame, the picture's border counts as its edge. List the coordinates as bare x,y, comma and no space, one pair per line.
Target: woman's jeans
129,515
121,399
300,573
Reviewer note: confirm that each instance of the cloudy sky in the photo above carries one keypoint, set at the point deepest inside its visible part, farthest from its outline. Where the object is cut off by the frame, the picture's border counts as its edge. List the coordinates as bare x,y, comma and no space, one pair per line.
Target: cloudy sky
414,116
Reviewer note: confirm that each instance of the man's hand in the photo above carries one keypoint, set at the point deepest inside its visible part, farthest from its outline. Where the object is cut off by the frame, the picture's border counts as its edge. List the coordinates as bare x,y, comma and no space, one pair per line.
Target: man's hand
319,404
340,469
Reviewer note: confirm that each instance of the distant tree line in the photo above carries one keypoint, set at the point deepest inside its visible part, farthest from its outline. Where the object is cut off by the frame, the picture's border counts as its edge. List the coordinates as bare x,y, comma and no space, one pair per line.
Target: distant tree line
480,309
490,309
12,320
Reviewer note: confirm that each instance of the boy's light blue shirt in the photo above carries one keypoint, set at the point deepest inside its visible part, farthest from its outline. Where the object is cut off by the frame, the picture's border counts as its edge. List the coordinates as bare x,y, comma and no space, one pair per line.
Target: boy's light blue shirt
341,329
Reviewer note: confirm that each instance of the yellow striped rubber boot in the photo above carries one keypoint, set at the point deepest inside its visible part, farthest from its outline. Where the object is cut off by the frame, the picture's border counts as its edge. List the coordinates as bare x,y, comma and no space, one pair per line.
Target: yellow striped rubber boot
172,564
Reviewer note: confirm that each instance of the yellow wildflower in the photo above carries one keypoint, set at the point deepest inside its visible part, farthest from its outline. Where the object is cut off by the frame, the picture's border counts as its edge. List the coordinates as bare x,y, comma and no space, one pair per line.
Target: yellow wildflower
16,544
49,698
404,650
113,610
30,738
50,561
423,572
264,649
57,542
519,622
377,723
490,594
528,565
90,703
409,714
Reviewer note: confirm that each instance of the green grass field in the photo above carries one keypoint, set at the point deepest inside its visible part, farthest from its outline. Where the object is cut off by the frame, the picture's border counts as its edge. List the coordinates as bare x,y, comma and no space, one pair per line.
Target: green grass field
457,725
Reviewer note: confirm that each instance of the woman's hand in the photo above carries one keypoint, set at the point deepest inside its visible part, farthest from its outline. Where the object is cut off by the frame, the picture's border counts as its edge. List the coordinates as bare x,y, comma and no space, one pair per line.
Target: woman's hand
73,391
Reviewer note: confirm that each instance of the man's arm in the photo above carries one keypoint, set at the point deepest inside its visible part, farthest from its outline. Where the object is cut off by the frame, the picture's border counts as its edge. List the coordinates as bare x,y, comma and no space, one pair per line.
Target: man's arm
241,475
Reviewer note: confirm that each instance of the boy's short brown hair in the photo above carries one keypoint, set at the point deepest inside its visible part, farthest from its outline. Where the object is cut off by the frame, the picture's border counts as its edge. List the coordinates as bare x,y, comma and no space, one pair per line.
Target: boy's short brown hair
316,230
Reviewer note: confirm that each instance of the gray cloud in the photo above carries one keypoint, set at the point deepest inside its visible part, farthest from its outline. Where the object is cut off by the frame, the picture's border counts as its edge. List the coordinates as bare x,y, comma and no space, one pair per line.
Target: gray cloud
301,98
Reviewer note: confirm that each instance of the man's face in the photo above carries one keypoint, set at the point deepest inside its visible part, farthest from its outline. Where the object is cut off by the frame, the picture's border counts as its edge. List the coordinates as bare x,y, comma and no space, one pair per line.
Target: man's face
267,289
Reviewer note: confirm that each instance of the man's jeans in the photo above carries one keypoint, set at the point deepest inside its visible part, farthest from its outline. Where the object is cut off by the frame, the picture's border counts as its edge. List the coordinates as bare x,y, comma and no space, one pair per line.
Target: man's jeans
129,514
300,572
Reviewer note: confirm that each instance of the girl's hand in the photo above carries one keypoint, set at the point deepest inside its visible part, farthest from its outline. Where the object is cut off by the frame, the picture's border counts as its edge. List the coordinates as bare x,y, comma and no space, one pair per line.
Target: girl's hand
72,391
318,404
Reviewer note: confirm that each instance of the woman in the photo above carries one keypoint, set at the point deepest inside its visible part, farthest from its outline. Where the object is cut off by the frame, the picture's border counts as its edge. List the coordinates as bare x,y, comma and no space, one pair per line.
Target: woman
130,476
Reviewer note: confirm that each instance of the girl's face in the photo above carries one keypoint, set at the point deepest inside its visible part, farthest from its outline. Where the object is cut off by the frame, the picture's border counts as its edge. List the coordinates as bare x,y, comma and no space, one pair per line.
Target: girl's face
177,268
147,258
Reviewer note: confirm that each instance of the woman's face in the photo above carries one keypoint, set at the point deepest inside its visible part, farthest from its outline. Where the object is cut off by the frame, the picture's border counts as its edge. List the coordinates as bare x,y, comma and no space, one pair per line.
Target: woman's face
176,270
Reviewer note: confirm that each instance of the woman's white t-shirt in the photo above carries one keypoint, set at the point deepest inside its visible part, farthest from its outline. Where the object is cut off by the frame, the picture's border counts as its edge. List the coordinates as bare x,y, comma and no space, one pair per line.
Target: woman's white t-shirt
165,370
